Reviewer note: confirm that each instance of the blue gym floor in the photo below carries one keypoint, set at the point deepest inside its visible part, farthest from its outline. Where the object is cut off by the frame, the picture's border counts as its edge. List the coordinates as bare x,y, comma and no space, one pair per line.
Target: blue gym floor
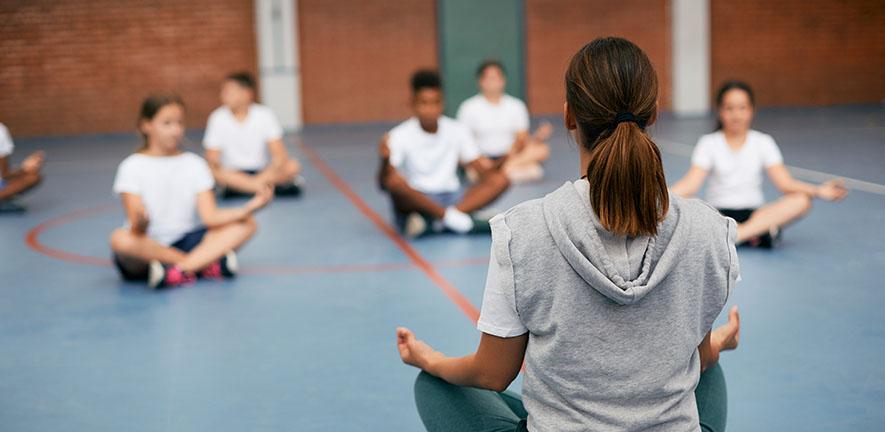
304,339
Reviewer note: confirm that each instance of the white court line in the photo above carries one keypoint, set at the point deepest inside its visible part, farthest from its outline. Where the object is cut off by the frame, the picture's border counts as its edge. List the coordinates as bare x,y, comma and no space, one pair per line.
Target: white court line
681,149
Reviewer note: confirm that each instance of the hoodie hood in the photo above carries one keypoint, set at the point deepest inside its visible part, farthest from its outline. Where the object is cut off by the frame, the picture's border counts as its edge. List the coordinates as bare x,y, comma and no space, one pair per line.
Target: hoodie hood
580,238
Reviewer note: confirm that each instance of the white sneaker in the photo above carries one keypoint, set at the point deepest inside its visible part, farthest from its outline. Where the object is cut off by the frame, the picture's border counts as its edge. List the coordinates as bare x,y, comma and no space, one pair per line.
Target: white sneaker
457,221
415,225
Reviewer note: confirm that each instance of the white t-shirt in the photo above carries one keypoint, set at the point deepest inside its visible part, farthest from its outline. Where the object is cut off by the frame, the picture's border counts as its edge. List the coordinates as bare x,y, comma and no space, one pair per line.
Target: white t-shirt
243,145
429,161
6,145
736,176
168,187
494,125
498,316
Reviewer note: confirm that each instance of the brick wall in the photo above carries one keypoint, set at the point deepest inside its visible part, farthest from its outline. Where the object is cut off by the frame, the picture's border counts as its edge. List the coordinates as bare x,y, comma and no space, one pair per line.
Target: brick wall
357,56
796,52
556,29
83,67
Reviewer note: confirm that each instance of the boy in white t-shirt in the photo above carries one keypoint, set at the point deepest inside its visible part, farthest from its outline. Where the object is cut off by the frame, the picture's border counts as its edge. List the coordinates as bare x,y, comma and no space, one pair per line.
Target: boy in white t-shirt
734,157
16,181
244,143
500,124
419,167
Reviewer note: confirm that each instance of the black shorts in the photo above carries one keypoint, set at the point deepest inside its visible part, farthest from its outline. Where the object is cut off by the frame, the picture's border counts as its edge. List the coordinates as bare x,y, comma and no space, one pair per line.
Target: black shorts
739,215
185,244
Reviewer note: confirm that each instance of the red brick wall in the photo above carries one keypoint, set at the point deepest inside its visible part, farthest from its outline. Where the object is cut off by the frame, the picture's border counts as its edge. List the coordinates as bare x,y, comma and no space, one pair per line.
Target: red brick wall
84,66
556,29
357,56
795,52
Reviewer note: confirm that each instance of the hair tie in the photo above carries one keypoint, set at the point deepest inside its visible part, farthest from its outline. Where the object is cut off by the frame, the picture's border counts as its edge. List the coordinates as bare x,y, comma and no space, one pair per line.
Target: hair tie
626,117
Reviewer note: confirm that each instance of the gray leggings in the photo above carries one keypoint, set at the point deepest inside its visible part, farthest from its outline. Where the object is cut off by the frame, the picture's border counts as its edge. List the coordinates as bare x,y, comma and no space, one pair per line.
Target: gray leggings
444,407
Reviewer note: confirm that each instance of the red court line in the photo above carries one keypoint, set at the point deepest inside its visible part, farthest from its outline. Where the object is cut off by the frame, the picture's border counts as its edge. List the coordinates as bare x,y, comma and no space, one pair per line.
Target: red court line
382,225
346,268
32,238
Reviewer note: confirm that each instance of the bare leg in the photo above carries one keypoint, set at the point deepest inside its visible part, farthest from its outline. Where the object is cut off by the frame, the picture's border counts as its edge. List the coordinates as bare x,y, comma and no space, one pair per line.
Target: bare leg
405,198
490,186
780,213
246,183
282,173
525,165
143,249
534,152
18,183
217,242
239,181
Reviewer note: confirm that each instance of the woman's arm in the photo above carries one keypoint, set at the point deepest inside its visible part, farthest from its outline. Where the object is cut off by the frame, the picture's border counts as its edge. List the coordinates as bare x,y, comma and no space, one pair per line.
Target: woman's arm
690,183
213,216
493,366
833,190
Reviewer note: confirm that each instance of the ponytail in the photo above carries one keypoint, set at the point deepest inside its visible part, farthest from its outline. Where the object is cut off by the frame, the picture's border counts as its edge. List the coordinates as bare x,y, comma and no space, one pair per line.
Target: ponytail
628,190
611,90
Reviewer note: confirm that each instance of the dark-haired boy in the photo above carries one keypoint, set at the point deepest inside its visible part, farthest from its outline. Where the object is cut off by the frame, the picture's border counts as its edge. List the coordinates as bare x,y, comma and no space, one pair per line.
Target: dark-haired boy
419,167
244,143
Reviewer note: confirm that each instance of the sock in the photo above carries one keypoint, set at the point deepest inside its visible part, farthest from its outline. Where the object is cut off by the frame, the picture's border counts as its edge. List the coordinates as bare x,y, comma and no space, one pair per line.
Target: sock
457,221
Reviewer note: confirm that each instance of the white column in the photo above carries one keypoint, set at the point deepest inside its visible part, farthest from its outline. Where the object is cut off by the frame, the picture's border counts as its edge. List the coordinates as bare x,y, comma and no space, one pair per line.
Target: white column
691,57
278,68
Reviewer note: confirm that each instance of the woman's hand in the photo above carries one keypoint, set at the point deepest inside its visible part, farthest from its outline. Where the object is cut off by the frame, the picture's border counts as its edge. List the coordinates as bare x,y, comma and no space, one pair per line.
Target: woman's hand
833,190
260,199
727,336
413,351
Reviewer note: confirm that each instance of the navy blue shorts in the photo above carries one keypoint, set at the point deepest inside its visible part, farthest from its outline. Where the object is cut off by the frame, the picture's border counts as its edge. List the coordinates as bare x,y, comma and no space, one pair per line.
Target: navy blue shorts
185,244
739,215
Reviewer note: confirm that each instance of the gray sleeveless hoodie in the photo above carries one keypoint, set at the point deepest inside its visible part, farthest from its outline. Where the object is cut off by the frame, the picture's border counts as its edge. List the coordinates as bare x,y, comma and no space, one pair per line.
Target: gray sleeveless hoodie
614,323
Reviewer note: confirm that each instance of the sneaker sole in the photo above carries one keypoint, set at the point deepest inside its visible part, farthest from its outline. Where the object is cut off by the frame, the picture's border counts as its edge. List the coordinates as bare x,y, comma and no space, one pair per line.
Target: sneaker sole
156,273
231,264
415,226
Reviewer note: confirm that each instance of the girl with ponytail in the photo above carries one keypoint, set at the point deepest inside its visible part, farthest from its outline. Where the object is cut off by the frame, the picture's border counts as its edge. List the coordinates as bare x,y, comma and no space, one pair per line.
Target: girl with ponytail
607,288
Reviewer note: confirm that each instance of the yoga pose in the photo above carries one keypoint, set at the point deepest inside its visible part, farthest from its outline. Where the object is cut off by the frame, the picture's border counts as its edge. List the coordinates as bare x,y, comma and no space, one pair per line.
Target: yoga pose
175,233
244,144
500,124
734,157
419,167
607,288
15,181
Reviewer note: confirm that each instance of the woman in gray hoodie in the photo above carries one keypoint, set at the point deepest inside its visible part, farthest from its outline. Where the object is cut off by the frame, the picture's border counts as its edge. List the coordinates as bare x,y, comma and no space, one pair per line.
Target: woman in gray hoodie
607,288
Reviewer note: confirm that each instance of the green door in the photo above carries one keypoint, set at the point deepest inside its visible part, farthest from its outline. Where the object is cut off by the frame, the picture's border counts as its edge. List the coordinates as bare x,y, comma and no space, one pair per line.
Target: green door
471,31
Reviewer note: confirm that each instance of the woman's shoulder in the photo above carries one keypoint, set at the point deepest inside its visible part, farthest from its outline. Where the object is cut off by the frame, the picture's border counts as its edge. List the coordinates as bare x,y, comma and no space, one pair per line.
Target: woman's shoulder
703,219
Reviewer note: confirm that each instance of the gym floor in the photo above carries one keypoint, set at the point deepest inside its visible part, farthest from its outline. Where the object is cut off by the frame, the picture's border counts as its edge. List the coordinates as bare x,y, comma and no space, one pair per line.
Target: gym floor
304,339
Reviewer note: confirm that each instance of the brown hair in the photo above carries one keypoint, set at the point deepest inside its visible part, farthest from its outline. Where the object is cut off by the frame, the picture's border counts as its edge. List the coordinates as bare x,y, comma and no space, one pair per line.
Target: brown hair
612,91
725,88
149,109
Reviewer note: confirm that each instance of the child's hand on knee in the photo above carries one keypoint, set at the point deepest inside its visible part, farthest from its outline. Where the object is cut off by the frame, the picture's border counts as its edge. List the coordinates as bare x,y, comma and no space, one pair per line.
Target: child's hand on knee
34,162
261,198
